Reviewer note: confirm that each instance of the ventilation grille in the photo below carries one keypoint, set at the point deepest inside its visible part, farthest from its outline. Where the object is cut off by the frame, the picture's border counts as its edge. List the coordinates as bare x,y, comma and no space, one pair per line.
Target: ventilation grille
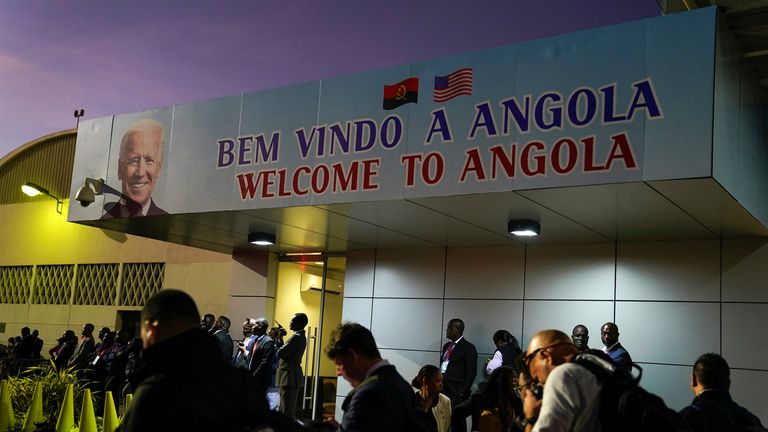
14,284
84,284
140,282
53,284
96,284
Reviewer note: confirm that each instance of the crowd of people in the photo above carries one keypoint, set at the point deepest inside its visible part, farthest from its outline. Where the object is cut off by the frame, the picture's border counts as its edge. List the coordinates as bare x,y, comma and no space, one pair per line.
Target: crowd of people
187,373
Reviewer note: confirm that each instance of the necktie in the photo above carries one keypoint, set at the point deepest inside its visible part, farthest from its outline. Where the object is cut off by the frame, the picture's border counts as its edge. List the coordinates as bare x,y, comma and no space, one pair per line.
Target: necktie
448,352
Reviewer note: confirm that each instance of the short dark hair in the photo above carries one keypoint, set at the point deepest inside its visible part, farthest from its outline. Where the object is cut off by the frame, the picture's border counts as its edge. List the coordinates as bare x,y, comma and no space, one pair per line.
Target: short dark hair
225,322
301,319
171,307
351,336
427,372
458,323
712,372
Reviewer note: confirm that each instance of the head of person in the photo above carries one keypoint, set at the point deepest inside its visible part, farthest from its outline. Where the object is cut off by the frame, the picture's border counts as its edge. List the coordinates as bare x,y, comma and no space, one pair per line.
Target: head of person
710,372
547,350
298,322
353,349
609,334
109,338
207,322
166,314
69,336
35,333
455,329
429,376
498,395
260,326
141,159
580,337
524,379
25,331
103,332
87,330
123,336
248,327
502,338
222,323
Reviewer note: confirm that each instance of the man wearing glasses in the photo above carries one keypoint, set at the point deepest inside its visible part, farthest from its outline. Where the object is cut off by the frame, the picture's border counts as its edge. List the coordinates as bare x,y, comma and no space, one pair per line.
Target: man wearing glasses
571,393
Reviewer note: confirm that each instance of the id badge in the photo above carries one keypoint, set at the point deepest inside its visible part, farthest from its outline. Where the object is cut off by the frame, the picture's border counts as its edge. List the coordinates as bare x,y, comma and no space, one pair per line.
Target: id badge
443,366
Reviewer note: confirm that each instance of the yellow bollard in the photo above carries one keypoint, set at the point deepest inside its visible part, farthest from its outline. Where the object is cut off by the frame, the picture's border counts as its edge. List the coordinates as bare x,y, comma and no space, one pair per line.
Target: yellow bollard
87,416
110,415
66,420
7,420
35,412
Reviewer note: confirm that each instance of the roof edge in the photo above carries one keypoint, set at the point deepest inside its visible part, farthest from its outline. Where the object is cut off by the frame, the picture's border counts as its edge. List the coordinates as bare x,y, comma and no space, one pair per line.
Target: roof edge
19,150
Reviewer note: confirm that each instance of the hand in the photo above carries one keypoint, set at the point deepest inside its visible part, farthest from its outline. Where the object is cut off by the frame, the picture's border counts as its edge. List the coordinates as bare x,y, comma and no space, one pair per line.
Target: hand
331,421
531,405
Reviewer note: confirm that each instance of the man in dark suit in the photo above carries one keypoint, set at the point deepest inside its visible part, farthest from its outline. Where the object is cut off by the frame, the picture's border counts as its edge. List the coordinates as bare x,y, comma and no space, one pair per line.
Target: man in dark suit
221,332
381,400
609,334
713,409
290,378
141,159
262,354
458,363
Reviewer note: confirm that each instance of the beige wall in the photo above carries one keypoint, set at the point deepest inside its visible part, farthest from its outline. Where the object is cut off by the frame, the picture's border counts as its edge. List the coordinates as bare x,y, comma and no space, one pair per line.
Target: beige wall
34,234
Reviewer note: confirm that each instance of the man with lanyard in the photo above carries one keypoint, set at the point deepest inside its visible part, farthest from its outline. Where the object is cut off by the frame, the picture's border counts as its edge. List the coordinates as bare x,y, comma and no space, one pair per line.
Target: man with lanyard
458,363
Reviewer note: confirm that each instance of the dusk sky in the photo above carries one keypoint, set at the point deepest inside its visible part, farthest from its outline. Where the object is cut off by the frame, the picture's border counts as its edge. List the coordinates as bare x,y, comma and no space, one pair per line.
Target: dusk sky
115,57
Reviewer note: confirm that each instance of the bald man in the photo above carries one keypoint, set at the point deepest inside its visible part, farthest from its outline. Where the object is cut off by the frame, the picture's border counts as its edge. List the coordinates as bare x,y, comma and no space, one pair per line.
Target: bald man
571,393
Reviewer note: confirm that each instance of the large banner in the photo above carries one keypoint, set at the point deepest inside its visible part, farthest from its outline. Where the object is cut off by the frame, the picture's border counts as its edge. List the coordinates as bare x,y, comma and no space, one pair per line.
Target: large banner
625,103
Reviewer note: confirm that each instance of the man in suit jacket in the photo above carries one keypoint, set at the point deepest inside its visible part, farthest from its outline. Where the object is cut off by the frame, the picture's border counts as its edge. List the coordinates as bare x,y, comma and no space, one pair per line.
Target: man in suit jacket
290,378
262,354
221,332
381,400
609,334
458,363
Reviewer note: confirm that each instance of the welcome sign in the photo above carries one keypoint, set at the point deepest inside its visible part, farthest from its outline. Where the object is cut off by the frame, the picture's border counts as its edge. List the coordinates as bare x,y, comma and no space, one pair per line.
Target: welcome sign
602,106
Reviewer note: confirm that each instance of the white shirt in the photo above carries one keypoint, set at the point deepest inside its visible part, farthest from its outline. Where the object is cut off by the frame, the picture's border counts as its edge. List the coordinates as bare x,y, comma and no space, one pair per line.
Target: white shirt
495,362
571,401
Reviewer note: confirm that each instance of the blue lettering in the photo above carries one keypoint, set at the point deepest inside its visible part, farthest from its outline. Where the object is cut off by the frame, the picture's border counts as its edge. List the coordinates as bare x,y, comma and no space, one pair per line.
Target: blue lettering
609,105
398,131
483,118
360,134
555,111
337,135
590,108
644,97
521,117
262,152
439,125
226,155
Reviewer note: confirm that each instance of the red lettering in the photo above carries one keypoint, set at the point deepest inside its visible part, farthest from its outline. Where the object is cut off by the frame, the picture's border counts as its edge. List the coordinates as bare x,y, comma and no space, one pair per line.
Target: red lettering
621,149
438,167
507,163
296,188
320,183
267,181
571,157
247,185
342,183
370,170
410,168
281,191
589,155
540,160
473,163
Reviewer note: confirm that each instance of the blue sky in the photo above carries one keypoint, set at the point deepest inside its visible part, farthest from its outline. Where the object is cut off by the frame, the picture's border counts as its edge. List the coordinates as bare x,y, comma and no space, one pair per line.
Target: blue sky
114,57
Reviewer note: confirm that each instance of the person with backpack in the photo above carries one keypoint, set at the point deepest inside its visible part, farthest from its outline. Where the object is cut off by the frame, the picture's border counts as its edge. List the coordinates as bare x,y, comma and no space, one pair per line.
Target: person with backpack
713,409
569,393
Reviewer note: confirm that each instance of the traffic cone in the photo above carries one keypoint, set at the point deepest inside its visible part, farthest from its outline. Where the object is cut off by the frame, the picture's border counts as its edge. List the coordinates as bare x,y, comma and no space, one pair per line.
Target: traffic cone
35,411
7,420
110,414
87,416
128,400
66,420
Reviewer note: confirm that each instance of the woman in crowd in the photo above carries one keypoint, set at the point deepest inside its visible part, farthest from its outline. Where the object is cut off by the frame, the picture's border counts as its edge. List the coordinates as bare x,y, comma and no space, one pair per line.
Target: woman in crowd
499,405
429,383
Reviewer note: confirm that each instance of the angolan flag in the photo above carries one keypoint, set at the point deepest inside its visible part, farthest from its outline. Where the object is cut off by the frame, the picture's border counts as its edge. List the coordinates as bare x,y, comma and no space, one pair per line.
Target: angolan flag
456,84
406,91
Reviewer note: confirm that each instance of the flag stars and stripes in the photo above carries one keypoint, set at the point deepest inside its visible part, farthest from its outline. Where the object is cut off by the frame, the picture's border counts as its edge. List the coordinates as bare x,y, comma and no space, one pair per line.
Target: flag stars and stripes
456,84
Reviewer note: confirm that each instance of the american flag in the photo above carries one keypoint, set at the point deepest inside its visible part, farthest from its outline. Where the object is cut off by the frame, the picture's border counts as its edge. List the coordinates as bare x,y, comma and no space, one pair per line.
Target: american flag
456,84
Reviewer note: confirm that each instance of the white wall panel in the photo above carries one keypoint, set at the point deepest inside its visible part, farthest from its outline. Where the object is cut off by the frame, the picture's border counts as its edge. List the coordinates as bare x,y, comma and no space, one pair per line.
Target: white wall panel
680,270
482,318
660,332
744,327
358,276
241,308
408,363
357,310
750,390
745,270
564,315
412,273
485,272
671,383
407,323
584,272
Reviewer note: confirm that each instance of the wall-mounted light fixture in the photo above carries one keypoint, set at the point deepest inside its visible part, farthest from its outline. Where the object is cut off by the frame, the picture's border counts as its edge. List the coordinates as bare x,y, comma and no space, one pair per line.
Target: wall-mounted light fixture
524,227
87,193
261,239
32,189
